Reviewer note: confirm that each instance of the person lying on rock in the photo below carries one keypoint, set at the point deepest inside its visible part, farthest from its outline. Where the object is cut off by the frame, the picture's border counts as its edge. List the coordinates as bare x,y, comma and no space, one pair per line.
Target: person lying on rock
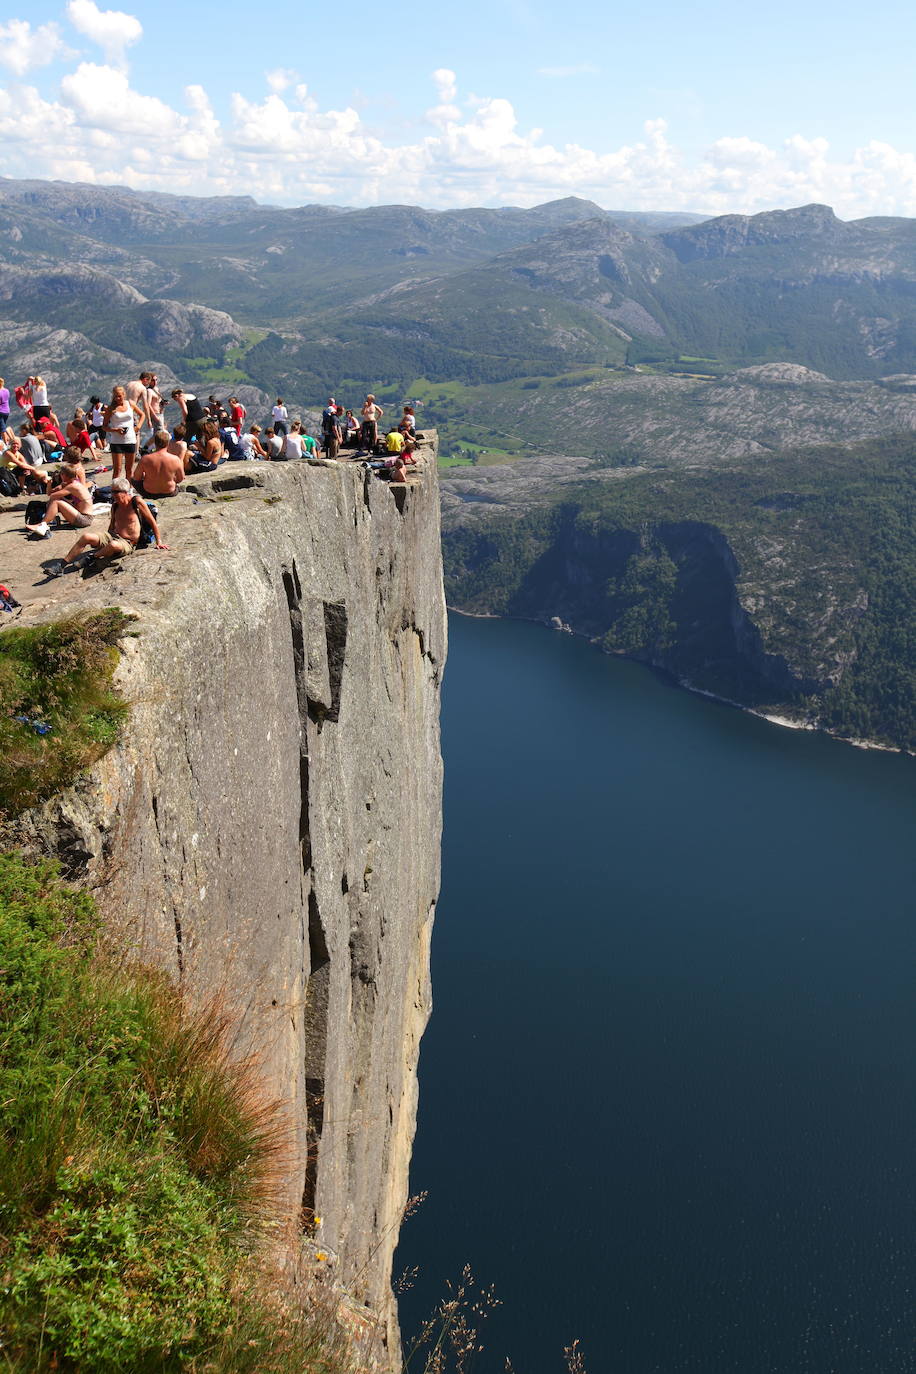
123,534
160,472
71,503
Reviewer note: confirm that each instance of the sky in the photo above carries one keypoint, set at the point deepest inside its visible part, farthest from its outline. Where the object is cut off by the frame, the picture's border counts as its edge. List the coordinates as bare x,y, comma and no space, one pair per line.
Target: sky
709,109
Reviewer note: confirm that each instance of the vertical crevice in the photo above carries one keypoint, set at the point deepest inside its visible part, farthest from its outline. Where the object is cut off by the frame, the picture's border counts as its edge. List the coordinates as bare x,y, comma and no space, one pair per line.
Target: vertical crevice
317,997
335,632
293,589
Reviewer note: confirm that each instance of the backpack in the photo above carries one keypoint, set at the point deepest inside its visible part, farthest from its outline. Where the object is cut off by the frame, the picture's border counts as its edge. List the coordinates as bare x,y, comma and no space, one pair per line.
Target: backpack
35,512
7,601
235,451
8,484
147,536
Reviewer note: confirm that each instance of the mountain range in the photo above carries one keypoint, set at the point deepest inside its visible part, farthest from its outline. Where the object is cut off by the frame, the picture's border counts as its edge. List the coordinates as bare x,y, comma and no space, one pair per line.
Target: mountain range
702,429
402,300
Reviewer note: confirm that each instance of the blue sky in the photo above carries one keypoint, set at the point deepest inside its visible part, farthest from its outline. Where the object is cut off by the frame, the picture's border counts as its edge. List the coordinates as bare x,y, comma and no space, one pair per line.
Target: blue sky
502,101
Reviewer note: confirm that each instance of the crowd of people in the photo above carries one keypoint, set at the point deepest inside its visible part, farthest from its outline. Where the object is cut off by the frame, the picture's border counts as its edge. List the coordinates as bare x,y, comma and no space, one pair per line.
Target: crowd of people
149,455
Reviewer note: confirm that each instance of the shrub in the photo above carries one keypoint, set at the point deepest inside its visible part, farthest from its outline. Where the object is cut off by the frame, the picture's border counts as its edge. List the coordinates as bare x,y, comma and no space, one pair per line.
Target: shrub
58,710
139,1165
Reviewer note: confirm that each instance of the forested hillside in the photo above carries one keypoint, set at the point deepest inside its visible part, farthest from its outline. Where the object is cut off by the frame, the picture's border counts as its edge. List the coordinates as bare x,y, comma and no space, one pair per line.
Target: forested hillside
787,584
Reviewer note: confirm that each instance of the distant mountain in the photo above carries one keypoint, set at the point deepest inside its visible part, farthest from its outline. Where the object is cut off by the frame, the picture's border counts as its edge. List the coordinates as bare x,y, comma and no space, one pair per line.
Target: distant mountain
277,264
395,297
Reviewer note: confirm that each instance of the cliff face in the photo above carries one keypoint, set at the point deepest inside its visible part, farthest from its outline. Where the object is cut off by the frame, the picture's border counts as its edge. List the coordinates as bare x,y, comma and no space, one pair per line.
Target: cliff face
268,830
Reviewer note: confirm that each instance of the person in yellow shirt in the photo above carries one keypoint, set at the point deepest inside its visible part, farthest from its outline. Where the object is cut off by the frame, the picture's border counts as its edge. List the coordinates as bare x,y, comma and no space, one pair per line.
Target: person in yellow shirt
394,441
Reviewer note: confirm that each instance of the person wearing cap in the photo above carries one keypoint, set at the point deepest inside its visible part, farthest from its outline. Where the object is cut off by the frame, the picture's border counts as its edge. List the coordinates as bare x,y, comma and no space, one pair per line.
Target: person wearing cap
330,428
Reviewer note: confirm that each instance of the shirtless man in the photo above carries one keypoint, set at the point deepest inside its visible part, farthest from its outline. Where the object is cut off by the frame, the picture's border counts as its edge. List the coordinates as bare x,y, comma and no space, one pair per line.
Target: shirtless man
71,502
155,402
138,395
160,472
371,414
178,445
123,529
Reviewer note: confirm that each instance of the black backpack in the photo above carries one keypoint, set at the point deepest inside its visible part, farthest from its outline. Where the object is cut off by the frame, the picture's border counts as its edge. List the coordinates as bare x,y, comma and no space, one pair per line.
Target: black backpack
35,512
8,484
147,537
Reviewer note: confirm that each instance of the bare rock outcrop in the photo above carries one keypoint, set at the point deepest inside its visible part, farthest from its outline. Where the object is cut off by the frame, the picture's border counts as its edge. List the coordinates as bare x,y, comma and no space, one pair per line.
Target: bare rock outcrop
268,829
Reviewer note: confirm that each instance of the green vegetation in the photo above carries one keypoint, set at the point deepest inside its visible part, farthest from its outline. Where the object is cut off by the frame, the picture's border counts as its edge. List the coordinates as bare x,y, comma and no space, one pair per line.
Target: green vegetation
59,712
231,371
139,1166
455,461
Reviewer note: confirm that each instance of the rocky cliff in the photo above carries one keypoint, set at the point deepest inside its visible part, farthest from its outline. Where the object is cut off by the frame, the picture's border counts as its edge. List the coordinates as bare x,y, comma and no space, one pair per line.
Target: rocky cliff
784,583
268,829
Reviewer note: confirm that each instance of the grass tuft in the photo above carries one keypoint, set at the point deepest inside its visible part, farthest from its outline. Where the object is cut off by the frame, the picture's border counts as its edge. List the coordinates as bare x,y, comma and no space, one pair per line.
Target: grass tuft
59,712
139,1167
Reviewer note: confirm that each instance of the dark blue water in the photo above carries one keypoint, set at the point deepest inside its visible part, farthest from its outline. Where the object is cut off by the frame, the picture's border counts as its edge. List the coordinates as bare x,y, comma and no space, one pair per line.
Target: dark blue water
668,1093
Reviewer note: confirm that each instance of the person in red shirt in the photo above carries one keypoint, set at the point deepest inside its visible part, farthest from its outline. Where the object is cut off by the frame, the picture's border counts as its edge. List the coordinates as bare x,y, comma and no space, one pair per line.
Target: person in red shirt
50,431
237,413
77,433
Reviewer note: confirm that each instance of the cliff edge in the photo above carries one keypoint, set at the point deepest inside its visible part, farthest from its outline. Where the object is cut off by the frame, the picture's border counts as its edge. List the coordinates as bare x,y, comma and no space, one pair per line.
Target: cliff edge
267,829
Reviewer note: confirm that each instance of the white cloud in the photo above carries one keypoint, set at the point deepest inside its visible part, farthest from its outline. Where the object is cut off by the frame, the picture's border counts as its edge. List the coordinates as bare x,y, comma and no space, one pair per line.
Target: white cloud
446,111
286,149
281,78
25,49
560,73
112,30
101,98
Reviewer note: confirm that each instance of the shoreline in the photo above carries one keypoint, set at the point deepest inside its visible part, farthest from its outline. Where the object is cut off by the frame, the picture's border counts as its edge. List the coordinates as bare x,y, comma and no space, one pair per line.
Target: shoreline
784,722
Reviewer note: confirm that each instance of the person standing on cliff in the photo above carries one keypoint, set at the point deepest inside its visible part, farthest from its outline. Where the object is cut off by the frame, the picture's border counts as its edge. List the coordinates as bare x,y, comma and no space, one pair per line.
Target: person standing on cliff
121,420
330,428
192,412
280,416
371,414
138,395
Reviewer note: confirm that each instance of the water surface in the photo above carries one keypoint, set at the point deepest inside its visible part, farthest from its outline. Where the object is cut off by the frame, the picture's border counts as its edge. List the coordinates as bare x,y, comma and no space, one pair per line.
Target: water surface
668,1093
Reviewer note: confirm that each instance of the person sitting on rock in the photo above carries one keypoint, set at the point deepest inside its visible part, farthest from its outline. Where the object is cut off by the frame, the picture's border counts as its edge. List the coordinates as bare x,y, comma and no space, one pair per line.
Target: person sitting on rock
32,448
208,452
298,444
251,443
50,435
159,473
77,431
178,443
408,424
123,534
394,441
70,503
26,474
273,444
